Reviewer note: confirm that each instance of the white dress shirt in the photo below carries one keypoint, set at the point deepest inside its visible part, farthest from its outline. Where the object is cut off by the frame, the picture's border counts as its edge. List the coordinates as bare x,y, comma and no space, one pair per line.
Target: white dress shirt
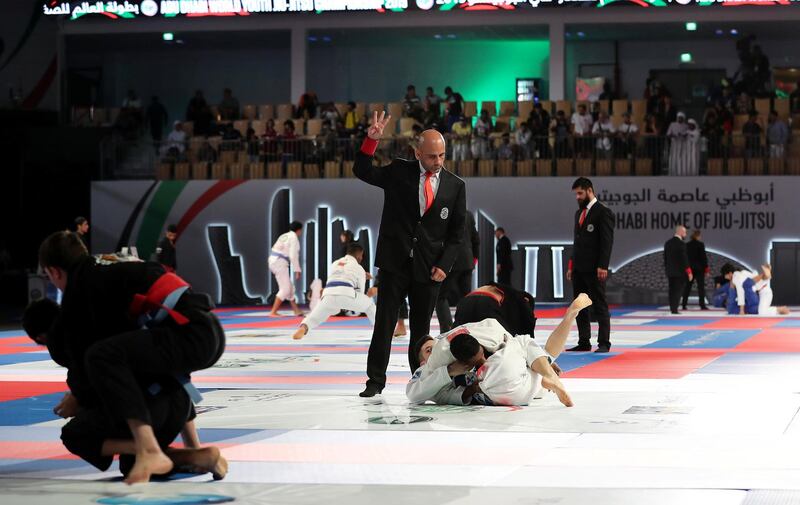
434,185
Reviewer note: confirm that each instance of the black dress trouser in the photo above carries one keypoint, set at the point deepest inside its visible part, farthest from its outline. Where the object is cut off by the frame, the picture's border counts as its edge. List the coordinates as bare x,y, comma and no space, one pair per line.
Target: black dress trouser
699,278
675,291
587,282
394,287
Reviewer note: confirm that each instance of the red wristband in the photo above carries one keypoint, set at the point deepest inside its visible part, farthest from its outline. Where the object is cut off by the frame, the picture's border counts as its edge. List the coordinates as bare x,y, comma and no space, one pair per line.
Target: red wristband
569,265
689,271
369,146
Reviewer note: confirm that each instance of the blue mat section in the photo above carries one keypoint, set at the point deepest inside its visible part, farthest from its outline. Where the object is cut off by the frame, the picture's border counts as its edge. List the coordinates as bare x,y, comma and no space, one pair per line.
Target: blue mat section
24,357
12,333
789,323
746,363
35,409
215,435
569,361
29,433
16,466
680,321
704,339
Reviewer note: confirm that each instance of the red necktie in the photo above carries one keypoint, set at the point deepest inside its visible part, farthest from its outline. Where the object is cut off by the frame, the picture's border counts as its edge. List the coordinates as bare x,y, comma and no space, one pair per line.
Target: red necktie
428,191
583,216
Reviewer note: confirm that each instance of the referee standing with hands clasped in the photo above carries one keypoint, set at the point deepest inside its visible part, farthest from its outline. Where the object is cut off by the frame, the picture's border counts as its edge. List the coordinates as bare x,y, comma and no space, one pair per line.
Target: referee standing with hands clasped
422,226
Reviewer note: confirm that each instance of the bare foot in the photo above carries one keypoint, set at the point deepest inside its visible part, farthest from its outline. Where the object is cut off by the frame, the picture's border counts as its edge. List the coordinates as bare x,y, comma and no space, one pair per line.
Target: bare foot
205,460
766,269
273,314
580,302
400,330
147,464
299,313
784,311
301,332
554,384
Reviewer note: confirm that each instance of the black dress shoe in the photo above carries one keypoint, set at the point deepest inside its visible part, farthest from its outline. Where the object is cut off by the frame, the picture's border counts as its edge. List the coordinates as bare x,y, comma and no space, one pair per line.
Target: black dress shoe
580,348
370,391
704,308
685,308
674,312
602,349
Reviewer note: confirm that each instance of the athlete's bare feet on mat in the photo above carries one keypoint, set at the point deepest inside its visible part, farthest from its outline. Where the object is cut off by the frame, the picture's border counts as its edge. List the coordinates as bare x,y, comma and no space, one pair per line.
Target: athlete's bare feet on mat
148,464
766,269
580,302
205,460
301,332
400,329
554,384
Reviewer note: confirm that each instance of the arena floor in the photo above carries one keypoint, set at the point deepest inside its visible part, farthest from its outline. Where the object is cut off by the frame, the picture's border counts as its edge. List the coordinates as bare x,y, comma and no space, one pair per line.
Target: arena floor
692,409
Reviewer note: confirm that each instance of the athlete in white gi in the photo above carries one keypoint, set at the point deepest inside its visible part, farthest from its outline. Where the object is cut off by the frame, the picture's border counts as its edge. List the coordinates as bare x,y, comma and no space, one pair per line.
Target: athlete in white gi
504,370
343,291
760,286
286,252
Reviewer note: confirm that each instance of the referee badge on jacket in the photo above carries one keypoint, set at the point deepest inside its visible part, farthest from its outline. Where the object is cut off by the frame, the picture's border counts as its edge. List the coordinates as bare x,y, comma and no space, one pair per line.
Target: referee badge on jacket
590,228
444,213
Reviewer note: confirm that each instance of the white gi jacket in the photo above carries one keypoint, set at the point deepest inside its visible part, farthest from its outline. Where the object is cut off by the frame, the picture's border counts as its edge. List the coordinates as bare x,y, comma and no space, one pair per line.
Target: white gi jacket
287,248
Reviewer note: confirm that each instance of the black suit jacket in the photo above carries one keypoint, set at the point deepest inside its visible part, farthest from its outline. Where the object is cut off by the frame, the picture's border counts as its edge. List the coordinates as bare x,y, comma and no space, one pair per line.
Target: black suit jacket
434,238
592,243
503,252
696,250
676,261
470,244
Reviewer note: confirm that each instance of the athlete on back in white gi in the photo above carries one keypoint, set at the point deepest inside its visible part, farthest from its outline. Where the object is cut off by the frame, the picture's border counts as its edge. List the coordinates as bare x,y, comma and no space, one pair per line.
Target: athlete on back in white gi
344,290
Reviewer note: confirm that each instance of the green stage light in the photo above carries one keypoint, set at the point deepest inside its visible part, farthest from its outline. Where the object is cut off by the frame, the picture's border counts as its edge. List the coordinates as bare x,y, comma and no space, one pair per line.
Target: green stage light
168,36
691,26
686,57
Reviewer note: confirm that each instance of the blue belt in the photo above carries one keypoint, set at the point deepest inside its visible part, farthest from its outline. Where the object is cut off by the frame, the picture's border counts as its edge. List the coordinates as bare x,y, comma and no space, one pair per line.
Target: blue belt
337,284
279,255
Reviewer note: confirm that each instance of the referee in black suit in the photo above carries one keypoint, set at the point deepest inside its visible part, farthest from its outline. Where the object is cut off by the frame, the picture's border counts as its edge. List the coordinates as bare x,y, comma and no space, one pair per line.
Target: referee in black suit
676,265
588,266
503,256
422,226
698,262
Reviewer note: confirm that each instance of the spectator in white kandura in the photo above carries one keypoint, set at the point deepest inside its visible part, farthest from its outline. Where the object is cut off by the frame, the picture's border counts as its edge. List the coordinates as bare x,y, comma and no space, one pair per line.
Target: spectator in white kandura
777,135
480,136
628,133
461,133
677,133
505,150
523,137
175,144
603,130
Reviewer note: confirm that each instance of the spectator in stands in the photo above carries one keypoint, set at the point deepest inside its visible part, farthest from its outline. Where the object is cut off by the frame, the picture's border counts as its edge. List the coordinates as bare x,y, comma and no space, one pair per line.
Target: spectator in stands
653,144
607,93
744,104
794,98
461,137
433,105
678,149
156,119
603,131
229,106
329,113
667,112
777,135
713,132
454,104
199,113
327,142
762,71
307,106
752,135
175,146
290,144
505,150
628,134
560,129
412,105
231,139
652,93
524,141
252,145
692,166
595,111
581,130
270,144
131,101
350,118
480,137
82,229
206,152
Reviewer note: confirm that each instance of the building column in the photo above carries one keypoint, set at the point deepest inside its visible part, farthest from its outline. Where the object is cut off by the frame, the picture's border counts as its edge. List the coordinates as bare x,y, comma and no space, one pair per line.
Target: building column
299,50
557,63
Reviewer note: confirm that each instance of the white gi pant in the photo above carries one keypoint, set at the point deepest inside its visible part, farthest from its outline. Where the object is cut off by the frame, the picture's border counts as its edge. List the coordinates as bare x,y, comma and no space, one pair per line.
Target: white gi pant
764,291
331,304
506,377
280,269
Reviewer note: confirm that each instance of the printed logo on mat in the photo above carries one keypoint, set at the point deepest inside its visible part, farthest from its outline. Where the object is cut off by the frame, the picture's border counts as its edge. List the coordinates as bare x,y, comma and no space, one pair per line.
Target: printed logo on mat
399,420
178,499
